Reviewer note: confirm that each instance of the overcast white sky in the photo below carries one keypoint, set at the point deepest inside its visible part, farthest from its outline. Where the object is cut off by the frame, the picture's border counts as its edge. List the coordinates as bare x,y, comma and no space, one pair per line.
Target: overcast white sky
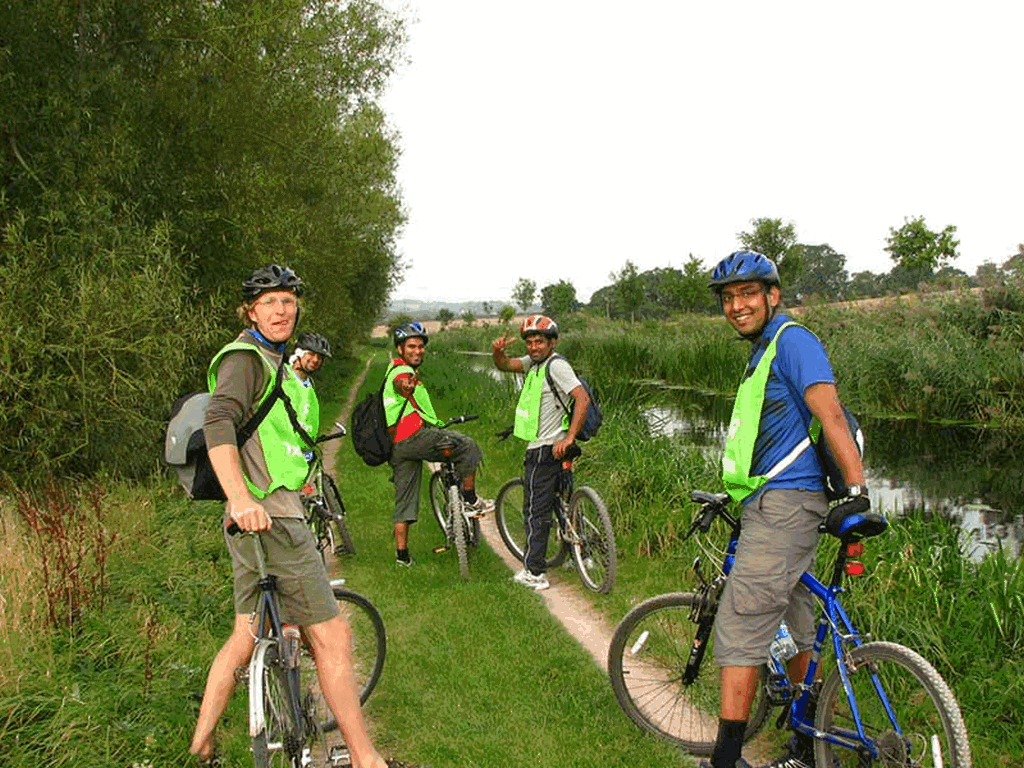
555,139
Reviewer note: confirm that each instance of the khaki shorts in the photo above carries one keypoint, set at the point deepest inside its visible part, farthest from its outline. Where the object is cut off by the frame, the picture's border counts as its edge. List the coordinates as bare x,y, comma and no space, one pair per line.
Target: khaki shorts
303,588
778,543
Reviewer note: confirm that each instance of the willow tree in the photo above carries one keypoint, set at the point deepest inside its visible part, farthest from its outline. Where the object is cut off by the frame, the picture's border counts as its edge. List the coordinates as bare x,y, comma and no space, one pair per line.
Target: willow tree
153,153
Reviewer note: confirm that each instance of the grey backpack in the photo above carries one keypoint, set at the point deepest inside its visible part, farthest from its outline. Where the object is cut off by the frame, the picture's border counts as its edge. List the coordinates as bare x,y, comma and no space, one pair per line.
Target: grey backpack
185,443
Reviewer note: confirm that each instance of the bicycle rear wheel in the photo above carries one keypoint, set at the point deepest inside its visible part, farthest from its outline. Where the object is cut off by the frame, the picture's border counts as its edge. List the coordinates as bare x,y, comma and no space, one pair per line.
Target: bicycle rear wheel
928,731
593,545
439,501
343,545
508,515
369,641
646,659
278,738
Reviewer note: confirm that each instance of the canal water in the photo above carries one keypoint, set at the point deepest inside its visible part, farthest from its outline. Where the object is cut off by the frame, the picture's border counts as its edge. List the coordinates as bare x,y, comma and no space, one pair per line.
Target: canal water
970,474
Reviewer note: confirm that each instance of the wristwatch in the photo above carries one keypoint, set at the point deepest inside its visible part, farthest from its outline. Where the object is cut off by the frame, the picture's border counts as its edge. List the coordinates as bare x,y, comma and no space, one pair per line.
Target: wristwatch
853,491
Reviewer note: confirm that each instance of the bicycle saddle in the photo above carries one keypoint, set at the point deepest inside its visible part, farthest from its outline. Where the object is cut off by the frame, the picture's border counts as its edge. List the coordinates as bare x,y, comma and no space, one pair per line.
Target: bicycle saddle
850,524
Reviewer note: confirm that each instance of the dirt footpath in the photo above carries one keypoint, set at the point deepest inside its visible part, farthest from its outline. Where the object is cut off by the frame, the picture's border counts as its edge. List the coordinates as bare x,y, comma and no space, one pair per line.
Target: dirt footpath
577,615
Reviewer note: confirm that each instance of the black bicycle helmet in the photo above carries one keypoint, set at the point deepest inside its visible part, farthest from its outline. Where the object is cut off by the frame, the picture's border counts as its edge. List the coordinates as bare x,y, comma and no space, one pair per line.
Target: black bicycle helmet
743,267
272,277
314,342
410,331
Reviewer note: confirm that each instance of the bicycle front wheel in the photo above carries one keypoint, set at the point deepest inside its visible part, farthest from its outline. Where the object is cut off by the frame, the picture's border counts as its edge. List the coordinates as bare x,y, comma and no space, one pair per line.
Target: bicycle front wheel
278,739
593,542
646,659
460,529
508,515
909,715
343,545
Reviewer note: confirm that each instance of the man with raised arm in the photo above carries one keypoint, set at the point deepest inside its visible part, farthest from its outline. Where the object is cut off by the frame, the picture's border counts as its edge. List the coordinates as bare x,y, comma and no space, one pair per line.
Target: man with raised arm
413,426
548,429
771,467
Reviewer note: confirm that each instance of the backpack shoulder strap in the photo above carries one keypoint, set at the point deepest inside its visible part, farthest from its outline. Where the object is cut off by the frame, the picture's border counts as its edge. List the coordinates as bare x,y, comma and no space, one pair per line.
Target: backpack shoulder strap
551,381
268,402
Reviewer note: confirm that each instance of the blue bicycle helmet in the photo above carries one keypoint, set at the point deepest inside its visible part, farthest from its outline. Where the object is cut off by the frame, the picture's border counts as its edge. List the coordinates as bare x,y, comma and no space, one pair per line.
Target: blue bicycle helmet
410,331
743,267
272,277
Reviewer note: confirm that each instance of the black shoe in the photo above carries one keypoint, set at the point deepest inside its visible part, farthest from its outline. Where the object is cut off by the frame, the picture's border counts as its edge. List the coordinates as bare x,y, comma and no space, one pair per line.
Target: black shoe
740,763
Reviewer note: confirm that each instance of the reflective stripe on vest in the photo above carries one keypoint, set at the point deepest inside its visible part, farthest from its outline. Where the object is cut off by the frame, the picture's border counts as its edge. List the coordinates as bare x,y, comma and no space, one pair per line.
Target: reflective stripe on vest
286,462
744,427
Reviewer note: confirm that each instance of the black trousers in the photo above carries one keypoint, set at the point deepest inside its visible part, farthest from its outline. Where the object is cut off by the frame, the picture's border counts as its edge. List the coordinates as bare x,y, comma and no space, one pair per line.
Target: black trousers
541,472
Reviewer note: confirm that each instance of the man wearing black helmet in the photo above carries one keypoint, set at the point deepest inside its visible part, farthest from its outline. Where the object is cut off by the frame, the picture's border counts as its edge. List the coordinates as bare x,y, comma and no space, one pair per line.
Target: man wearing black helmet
771,467
542,420
260,480
311,349
413,426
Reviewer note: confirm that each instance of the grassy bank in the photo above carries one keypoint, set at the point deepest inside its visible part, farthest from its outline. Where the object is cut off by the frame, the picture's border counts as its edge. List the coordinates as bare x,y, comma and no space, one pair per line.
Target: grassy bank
478,673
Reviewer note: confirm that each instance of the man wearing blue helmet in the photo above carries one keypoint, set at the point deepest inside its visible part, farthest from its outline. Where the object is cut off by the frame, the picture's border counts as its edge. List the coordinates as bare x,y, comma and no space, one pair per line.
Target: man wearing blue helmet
771,467
413,426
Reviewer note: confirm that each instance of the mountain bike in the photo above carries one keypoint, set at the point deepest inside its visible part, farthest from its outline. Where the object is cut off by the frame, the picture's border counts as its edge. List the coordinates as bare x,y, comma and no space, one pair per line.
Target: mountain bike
325,511
448,505
288,717
882,704
583,527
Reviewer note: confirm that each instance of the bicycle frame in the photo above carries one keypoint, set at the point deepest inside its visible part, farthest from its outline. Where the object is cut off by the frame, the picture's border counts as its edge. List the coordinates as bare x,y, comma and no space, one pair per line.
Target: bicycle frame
266,617
835,621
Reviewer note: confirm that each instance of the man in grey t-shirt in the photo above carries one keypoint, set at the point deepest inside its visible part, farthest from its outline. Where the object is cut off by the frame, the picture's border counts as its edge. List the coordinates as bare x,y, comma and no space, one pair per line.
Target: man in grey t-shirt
548,429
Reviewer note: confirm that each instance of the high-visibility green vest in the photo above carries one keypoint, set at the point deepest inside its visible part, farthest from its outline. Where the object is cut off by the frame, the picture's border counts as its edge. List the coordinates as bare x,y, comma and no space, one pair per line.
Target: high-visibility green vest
395,403
745,425
282,447
527,423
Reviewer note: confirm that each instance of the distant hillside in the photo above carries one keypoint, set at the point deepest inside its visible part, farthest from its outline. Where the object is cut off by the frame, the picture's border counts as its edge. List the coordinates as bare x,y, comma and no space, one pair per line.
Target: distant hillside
427,309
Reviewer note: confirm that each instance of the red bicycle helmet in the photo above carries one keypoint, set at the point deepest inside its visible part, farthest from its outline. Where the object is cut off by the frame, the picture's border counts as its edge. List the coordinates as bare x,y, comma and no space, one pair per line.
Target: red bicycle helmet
539,324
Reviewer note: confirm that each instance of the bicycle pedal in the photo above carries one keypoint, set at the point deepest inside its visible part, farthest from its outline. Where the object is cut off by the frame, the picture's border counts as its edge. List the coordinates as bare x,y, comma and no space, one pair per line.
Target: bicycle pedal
439,550
339,756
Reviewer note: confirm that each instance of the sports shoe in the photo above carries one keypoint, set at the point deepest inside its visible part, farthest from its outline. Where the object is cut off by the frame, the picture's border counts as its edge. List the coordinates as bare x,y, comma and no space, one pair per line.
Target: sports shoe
533,581
799,754
478,508
404,563
740,763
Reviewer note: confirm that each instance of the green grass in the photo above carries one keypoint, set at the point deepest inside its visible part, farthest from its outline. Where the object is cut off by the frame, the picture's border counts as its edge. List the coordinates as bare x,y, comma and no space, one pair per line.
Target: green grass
478,673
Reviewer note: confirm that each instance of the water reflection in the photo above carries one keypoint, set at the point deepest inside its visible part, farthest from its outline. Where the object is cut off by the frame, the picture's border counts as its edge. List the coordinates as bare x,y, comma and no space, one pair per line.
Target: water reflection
970,474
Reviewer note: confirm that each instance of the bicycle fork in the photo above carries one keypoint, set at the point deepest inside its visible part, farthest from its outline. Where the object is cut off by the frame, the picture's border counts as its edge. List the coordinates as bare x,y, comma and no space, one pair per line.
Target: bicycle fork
702,613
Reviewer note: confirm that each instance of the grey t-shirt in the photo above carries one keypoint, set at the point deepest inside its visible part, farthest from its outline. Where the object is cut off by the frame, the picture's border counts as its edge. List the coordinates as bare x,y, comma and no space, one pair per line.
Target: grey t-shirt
550,427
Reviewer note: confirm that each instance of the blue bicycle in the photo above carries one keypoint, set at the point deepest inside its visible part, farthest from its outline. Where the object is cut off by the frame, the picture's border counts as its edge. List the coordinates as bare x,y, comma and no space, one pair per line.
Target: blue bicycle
881,704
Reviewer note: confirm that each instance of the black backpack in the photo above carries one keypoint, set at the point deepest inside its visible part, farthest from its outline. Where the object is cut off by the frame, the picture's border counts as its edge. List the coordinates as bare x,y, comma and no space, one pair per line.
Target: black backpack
369,432
594,418
185,443
835,486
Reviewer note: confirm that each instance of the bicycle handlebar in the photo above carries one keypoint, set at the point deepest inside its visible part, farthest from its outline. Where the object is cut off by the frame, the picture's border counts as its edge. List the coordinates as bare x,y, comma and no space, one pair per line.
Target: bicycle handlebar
714,505
332,435
458,420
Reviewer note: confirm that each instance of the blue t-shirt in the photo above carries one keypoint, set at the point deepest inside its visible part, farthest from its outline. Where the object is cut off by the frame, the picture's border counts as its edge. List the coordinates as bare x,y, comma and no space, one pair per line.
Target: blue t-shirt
800,361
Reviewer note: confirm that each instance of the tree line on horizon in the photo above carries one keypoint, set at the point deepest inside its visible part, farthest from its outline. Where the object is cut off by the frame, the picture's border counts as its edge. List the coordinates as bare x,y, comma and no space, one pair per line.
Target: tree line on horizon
922,260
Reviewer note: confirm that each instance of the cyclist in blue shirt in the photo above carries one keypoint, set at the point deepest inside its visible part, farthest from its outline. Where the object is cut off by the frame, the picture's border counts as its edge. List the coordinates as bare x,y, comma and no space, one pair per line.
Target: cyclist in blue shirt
771,467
